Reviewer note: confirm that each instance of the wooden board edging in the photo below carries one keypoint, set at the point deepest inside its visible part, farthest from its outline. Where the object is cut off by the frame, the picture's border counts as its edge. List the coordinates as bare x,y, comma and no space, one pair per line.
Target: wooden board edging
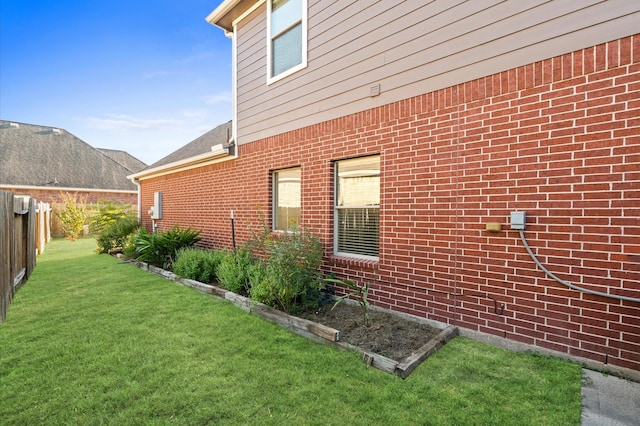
378,361
319,332
406,366
294,323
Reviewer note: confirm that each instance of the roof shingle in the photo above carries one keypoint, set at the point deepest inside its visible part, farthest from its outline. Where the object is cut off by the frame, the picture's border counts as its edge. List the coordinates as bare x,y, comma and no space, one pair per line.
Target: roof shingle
36,155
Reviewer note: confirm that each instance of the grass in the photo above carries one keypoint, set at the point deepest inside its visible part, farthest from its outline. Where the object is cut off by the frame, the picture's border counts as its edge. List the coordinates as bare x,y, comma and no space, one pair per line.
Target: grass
90,340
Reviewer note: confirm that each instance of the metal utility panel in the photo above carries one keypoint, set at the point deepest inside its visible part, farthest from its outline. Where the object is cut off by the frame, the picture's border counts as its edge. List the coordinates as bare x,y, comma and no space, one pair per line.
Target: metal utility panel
157,206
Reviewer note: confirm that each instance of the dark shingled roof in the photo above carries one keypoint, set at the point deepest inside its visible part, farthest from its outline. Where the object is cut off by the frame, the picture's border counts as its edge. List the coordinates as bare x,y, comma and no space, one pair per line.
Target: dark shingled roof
124,159
200,145
35,155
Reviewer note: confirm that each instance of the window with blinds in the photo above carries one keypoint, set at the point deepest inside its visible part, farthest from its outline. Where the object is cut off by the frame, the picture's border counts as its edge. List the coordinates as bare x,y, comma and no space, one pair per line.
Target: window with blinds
286,199
287,30
357,207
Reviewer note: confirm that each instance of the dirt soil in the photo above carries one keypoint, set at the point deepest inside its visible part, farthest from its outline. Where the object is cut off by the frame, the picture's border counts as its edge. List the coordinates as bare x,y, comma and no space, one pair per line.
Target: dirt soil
389,335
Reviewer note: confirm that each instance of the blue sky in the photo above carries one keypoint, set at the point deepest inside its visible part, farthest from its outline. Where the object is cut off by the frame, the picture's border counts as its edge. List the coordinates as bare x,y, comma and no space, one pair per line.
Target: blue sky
146,77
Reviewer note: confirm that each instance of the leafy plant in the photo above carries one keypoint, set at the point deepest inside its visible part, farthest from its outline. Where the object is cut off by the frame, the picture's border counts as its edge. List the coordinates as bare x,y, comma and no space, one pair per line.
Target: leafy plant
129,246
359,293
107,213
290,278
233,271
198,264
116,234
161,249
73,215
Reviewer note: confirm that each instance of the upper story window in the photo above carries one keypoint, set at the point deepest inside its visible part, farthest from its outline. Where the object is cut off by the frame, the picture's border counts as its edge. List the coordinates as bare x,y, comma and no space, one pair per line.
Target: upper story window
357,207
286,199
287,37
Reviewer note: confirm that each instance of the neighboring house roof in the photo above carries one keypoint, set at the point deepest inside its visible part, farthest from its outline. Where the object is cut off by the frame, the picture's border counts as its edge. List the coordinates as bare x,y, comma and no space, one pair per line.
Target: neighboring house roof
42,156
124,159
206,149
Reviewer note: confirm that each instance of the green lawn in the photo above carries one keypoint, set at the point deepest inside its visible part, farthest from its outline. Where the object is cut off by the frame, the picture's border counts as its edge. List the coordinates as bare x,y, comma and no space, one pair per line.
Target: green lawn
90,340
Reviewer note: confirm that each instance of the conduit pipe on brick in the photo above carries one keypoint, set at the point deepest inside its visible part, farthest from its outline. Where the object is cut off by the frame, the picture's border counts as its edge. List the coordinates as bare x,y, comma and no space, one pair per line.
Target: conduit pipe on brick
518,223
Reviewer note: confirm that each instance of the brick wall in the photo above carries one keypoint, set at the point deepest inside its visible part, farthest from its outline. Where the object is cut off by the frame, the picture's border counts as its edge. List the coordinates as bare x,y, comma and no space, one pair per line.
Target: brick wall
559,139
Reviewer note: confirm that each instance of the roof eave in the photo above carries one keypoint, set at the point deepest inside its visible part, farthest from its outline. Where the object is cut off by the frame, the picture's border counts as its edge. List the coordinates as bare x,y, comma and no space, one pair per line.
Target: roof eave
218,153
215,17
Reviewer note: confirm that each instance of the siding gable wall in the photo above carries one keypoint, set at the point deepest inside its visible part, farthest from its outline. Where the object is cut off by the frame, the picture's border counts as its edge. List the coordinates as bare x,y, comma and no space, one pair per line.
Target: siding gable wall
408,48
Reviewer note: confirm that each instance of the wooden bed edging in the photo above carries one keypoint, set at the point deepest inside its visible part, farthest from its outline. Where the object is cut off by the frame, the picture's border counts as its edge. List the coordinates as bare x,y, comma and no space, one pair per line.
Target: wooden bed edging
295,324
319,332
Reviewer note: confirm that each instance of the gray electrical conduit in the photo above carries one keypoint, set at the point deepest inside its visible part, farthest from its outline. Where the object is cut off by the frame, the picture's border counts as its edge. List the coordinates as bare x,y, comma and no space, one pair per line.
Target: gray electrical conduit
567,283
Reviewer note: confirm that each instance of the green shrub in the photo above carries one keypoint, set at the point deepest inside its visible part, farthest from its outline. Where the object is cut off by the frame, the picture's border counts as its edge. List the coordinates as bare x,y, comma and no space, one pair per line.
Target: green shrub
161,249
197,264
290,278
116,234
107,213
73,215
129,246
233,272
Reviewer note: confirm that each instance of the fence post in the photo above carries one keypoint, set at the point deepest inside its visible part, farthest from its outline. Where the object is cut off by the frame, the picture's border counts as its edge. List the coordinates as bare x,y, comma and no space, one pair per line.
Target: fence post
6,236
30,243
19,223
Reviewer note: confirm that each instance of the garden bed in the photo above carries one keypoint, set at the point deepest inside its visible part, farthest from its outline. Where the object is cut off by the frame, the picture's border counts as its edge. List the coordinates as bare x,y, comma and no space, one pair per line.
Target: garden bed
395,343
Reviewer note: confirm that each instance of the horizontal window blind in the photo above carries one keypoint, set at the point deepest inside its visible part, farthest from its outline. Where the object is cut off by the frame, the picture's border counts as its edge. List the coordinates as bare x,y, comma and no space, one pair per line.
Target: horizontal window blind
287,50
357,206
358,230
286,198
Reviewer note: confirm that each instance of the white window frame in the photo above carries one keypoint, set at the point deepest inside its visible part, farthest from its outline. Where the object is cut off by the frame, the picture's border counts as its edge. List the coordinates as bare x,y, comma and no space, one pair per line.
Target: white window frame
275,195
336,207
303,64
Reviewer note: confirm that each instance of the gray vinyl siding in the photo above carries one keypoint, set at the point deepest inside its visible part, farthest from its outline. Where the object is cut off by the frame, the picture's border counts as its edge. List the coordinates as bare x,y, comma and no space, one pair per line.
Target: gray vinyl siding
409,48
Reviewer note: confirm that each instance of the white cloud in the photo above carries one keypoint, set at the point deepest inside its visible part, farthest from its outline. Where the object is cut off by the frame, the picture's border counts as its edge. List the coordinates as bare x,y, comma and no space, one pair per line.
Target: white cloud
156,74
127,122
197,114
217,98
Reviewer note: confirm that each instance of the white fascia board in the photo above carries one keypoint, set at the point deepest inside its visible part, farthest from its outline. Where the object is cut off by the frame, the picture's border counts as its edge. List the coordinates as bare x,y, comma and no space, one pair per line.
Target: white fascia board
226,7
10,187
217,155
219,12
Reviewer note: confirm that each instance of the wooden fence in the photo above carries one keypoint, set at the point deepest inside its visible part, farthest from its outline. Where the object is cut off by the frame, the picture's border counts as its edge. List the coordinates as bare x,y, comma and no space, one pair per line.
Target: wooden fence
24,230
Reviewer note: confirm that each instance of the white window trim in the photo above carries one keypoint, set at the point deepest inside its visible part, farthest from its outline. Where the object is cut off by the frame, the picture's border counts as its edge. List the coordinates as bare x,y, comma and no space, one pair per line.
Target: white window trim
336,252
272,79
274,195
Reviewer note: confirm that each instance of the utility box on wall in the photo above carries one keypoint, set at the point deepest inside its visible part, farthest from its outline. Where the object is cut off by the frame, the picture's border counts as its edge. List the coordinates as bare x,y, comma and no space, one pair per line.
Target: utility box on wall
156,209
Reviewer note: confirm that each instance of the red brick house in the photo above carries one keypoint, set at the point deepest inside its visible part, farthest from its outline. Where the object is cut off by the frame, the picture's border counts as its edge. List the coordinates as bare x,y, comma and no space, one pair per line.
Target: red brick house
431,145
46,162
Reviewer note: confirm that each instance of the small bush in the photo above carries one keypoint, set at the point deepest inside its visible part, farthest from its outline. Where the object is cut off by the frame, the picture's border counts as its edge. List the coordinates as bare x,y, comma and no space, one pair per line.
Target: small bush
161,249
107,213
129,246
73,215
290,278
197,264
115,235
233,272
